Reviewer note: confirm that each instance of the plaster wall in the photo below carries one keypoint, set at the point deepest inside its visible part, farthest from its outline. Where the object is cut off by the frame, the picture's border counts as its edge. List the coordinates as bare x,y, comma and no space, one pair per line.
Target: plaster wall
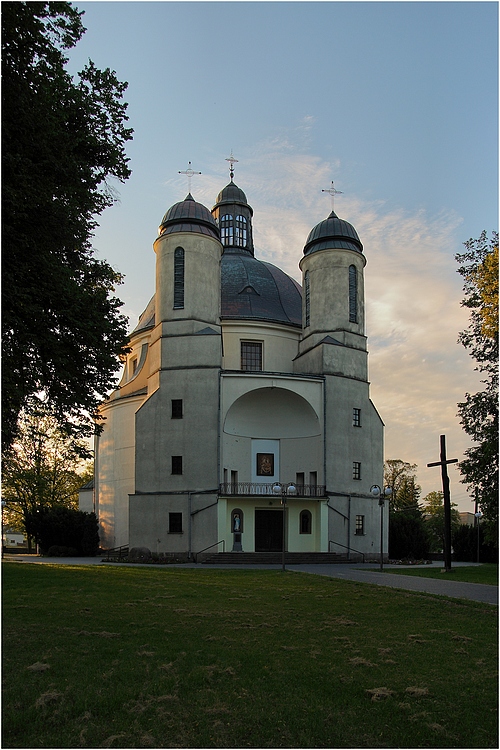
194,437
279,344
149,522
201,273
329,290
115,466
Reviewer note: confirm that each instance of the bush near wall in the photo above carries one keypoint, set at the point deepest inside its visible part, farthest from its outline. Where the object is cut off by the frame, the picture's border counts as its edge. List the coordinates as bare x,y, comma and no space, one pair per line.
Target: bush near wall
64,527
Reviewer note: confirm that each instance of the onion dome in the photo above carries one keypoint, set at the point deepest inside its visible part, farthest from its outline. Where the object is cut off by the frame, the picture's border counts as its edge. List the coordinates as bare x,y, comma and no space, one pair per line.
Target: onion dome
232,194
189,216
252,289
333,233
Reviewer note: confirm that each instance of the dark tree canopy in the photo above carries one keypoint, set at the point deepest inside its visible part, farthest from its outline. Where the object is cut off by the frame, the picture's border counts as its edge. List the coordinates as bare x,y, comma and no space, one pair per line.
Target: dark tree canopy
63,140
479,412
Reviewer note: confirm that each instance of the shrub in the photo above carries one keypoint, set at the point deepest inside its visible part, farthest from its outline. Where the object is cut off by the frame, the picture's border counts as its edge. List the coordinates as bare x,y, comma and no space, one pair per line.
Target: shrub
464,541
408,536
59,551
65,527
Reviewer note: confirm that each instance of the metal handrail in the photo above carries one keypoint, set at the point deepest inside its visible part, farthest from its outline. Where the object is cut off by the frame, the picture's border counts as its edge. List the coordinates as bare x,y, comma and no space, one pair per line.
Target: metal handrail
349,549
119,550
222,541
266,488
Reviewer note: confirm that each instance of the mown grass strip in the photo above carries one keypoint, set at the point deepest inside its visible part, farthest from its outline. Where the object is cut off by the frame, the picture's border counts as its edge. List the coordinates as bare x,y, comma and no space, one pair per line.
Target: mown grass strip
131,657
487,573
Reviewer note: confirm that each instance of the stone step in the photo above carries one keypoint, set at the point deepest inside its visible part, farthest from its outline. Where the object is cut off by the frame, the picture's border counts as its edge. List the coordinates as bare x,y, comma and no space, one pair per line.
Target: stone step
276,558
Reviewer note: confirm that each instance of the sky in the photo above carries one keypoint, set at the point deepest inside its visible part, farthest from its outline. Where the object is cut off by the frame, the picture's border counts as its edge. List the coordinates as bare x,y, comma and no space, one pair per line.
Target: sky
396,103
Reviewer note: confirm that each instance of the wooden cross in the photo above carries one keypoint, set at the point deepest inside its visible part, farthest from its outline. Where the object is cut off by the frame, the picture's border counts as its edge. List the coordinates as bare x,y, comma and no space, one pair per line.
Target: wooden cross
189,172
443,463
232,161
333,192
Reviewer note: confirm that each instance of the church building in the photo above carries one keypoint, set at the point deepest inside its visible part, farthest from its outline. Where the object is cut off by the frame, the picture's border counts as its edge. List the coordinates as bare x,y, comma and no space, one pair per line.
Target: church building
243,419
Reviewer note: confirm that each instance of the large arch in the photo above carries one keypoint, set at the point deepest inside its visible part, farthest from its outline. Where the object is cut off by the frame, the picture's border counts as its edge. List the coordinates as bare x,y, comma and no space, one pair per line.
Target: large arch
272,413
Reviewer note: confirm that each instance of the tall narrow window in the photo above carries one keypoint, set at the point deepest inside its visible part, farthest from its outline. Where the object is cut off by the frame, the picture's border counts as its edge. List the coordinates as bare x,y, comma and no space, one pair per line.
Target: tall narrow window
356,417
240,238
356,470
178,278
353,294
307,298
305,522
251,355
360,525
226,229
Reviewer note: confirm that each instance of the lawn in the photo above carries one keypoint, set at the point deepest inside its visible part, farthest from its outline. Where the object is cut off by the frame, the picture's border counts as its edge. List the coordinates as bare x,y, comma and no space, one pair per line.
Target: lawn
486,573
140,657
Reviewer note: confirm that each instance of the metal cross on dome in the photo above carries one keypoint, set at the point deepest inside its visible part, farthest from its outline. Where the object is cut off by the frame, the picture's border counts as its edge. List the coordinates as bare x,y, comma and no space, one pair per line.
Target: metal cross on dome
189,172
232,161
333,192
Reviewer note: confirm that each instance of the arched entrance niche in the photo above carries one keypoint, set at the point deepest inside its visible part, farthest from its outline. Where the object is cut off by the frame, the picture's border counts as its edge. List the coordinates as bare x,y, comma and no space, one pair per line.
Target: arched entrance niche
272,413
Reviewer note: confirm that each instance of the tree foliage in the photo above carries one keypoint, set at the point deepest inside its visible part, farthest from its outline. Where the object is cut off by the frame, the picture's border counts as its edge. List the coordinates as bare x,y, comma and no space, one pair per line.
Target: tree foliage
434,519
408,538
63,141
41,470
400,477
71,531
479,412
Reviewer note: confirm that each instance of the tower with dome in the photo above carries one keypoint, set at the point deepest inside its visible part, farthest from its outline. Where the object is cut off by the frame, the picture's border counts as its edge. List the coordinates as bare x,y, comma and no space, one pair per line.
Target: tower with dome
241,390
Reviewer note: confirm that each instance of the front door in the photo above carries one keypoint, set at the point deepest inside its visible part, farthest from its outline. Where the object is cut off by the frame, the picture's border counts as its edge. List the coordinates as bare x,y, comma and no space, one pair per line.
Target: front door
268,530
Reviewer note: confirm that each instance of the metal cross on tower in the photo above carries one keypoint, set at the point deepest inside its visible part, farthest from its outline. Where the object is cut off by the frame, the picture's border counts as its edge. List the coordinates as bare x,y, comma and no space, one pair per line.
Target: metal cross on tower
447,502
232,161
333,192
189,172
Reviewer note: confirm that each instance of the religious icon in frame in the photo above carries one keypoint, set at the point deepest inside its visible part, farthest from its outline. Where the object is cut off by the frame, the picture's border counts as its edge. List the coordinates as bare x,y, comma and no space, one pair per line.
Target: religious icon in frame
265,464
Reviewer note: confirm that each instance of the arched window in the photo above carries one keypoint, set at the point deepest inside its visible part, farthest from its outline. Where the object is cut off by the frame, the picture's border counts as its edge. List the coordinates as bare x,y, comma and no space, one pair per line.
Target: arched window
307,298
305,522
353,294
178,278
226,229
240,238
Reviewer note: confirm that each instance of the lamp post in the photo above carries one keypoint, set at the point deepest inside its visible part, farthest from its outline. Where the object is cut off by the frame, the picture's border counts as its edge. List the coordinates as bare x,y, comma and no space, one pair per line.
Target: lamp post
284,489
377,491
478,515
3,506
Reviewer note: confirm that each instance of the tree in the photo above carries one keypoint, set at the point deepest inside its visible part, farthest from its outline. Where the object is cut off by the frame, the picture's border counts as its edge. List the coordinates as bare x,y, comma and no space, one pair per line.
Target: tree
63,141
479,412
434,519
400,477
40,471
408,537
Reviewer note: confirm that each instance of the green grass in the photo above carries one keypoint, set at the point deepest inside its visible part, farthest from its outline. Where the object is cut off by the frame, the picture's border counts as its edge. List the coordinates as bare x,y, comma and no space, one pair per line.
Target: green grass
135,657
486,573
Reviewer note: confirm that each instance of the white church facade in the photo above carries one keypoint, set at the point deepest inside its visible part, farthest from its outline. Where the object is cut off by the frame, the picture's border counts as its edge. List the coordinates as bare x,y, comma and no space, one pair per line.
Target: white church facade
243,391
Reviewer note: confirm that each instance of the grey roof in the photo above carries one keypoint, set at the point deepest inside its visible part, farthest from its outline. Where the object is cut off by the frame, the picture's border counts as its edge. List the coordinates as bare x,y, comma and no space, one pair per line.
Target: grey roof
189,216
232,194
147,318
333,232
256,290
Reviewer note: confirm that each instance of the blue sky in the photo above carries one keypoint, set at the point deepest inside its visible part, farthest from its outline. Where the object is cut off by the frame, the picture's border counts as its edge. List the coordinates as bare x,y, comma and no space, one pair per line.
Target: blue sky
396,102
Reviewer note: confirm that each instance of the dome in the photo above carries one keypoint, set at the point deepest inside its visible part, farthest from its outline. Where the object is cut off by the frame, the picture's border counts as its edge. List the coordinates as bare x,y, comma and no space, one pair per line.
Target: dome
189,216
256,290
333,232
232,194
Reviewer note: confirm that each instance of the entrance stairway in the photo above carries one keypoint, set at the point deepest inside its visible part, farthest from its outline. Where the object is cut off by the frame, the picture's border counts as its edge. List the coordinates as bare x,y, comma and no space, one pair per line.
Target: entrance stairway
276,558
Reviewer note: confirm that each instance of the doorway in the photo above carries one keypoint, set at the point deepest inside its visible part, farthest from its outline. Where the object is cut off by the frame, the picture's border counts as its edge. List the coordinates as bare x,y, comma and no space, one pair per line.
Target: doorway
268,530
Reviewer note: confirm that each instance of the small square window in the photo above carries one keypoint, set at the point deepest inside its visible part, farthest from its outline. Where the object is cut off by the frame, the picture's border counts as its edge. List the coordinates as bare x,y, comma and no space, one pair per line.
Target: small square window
360,525
175,523
176,464
356,470
251,355
356,417
177,408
